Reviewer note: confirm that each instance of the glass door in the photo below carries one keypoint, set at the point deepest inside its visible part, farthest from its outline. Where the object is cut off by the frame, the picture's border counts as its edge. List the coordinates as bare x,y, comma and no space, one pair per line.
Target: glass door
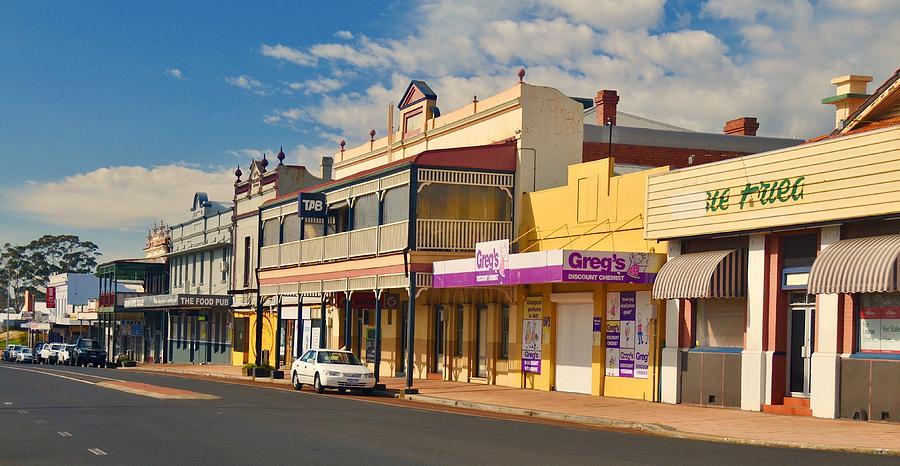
438,340
802,341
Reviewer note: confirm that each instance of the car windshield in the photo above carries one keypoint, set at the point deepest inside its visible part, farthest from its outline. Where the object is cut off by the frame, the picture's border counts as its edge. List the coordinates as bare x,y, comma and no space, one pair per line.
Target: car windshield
337,357
26,350
92,344
56,347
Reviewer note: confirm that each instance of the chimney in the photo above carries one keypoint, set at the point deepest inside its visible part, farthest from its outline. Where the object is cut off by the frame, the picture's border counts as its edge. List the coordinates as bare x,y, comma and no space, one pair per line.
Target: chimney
327,168
743,126
850,93
605,102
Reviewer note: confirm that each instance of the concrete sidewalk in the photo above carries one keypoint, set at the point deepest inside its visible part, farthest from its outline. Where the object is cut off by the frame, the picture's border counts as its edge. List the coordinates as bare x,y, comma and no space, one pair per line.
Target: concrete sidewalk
680,421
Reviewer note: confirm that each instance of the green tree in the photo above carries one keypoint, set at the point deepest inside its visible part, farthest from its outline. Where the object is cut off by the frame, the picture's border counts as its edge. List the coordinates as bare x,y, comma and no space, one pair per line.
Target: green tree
28,267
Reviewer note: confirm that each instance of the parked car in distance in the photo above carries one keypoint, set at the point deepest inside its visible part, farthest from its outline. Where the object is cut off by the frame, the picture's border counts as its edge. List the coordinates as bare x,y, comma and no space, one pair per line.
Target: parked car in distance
9,354
50,353
65,355
25,355
334,369
88,351
36,352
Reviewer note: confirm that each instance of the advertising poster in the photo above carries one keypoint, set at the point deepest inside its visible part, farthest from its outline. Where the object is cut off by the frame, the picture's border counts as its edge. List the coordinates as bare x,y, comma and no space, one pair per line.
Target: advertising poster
531,345
534,307
627,341
598,331
879,330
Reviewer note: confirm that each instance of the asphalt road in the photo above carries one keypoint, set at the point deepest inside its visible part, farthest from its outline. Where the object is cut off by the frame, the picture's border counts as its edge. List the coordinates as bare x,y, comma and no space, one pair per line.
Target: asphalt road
57,415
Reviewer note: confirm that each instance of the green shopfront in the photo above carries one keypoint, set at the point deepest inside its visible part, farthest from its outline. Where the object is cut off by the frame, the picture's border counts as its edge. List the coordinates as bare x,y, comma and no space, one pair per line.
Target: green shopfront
199,327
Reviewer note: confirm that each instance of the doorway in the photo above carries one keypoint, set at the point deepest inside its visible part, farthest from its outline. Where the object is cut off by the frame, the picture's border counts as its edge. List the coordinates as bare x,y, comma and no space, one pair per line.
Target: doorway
802,323
401,365
573,347
438,349
481,342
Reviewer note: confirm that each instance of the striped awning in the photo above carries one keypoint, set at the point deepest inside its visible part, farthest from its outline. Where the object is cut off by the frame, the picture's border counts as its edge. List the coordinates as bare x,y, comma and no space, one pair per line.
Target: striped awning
711,274
860,265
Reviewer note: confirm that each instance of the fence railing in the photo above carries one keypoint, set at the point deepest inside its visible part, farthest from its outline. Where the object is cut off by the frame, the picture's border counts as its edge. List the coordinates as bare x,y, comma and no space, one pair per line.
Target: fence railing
459,235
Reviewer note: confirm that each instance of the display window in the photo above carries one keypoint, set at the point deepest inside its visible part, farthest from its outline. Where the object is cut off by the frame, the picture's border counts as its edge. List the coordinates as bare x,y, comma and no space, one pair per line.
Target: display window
879,323
720,323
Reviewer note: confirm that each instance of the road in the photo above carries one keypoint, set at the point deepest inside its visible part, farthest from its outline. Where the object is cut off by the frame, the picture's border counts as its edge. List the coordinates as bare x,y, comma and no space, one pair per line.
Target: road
60,415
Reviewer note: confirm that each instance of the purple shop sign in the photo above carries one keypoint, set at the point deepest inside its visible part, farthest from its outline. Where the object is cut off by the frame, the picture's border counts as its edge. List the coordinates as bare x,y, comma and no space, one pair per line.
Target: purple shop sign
531,365
612,334
614,267
492,262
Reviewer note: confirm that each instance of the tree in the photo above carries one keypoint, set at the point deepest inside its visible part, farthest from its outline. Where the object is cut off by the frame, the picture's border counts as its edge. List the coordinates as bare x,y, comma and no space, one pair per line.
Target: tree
29,267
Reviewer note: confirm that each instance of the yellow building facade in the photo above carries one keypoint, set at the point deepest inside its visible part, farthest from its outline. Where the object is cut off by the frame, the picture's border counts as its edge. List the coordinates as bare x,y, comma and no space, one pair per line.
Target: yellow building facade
568,300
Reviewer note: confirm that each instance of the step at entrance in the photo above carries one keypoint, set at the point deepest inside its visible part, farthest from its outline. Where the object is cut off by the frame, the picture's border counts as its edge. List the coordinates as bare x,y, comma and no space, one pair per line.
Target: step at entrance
793,406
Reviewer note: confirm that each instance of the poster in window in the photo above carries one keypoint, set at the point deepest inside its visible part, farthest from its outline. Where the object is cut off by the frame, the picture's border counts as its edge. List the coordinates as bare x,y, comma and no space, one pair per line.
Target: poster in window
531,345
627,336
879,330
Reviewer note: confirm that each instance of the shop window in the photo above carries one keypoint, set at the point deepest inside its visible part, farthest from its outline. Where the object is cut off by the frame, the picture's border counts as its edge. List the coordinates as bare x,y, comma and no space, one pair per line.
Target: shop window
247,267
879,323
460,326
365,211
720,323
338,218
271,232
313,228
504,331
463,202
396,205
290,229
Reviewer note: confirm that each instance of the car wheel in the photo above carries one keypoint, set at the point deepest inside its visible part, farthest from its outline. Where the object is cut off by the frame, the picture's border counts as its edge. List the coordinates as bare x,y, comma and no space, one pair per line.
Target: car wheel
295,381
317,384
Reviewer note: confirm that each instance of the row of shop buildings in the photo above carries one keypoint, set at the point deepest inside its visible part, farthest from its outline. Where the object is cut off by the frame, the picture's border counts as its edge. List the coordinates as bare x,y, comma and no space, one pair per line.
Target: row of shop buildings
535,240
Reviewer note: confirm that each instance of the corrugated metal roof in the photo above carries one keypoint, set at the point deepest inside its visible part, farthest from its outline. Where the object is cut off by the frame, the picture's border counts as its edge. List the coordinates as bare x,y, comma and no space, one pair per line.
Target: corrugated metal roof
860,265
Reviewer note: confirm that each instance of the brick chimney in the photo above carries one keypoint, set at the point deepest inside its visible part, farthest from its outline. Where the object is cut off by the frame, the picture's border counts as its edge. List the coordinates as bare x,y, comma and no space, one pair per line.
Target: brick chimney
605,102
743,126
850,93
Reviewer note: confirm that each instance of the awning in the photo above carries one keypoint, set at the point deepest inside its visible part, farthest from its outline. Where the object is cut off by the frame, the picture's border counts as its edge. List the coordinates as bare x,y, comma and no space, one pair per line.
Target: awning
861,265
712,274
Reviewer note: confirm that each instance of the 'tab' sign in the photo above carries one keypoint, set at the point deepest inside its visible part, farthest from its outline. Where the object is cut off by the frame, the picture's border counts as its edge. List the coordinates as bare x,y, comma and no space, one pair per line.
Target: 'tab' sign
311,205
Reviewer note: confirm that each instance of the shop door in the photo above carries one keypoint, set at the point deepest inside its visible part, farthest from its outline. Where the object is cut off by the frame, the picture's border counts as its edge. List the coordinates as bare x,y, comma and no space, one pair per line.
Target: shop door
481,342
438,340
802,325
401,364
573,347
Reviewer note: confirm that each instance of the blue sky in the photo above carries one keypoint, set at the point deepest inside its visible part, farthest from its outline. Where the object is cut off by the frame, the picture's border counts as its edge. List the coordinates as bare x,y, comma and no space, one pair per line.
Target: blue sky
112,114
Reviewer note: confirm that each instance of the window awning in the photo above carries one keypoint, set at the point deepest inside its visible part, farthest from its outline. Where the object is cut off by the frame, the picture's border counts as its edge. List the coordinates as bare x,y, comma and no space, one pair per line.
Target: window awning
861,265
711,274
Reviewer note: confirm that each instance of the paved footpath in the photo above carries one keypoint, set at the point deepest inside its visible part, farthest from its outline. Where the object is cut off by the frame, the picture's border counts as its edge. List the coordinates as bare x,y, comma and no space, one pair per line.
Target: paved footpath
680,421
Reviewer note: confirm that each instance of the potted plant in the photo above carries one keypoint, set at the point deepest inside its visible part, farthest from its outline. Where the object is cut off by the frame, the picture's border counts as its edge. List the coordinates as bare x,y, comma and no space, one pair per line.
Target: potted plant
248,369
263,371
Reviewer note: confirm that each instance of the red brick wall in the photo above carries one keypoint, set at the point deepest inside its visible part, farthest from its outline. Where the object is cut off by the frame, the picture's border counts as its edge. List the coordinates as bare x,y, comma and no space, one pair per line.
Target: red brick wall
686,325
653,156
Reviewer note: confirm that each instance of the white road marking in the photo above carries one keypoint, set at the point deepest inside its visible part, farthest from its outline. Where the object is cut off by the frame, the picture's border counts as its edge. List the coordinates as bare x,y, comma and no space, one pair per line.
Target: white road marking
78,373
7,403
40,421
97,451
23,411
64,434
48,373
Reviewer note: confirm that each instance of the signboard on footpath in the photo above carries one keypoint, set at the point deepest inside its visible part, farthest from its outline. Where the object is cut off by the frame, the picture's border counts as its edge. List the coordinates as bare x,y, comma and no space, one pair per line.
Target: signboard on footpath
627,334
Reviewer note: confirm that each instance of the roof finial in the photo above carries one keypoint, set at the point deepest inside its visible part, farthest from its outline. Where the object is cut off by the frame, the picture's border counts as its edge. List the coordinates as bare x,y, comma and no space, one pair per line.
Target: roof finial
238,173
521,75
264,162
372,135
281,155
343,143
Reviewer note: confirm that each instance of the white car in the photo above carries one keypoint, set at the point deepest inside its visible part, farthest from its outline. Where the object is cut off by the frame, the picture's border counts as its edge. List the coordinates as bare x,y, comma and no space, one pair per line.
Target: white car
49,353
65,355
326,368
24,355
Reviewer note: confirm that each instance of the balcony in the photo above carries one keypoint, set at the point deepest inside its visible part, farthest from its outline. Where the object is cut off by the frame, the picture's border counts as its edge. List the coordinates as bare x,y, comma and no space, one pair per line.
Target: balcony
433,234
458,235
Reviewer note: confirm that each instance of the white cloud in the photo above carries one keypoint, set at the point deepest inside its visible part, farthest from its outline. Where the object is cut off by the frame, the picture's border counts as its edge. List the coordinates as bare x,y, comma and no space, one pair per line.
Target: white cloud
251,153
774,61
175,73
283,52
249,83
124,198
346,35
316,86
